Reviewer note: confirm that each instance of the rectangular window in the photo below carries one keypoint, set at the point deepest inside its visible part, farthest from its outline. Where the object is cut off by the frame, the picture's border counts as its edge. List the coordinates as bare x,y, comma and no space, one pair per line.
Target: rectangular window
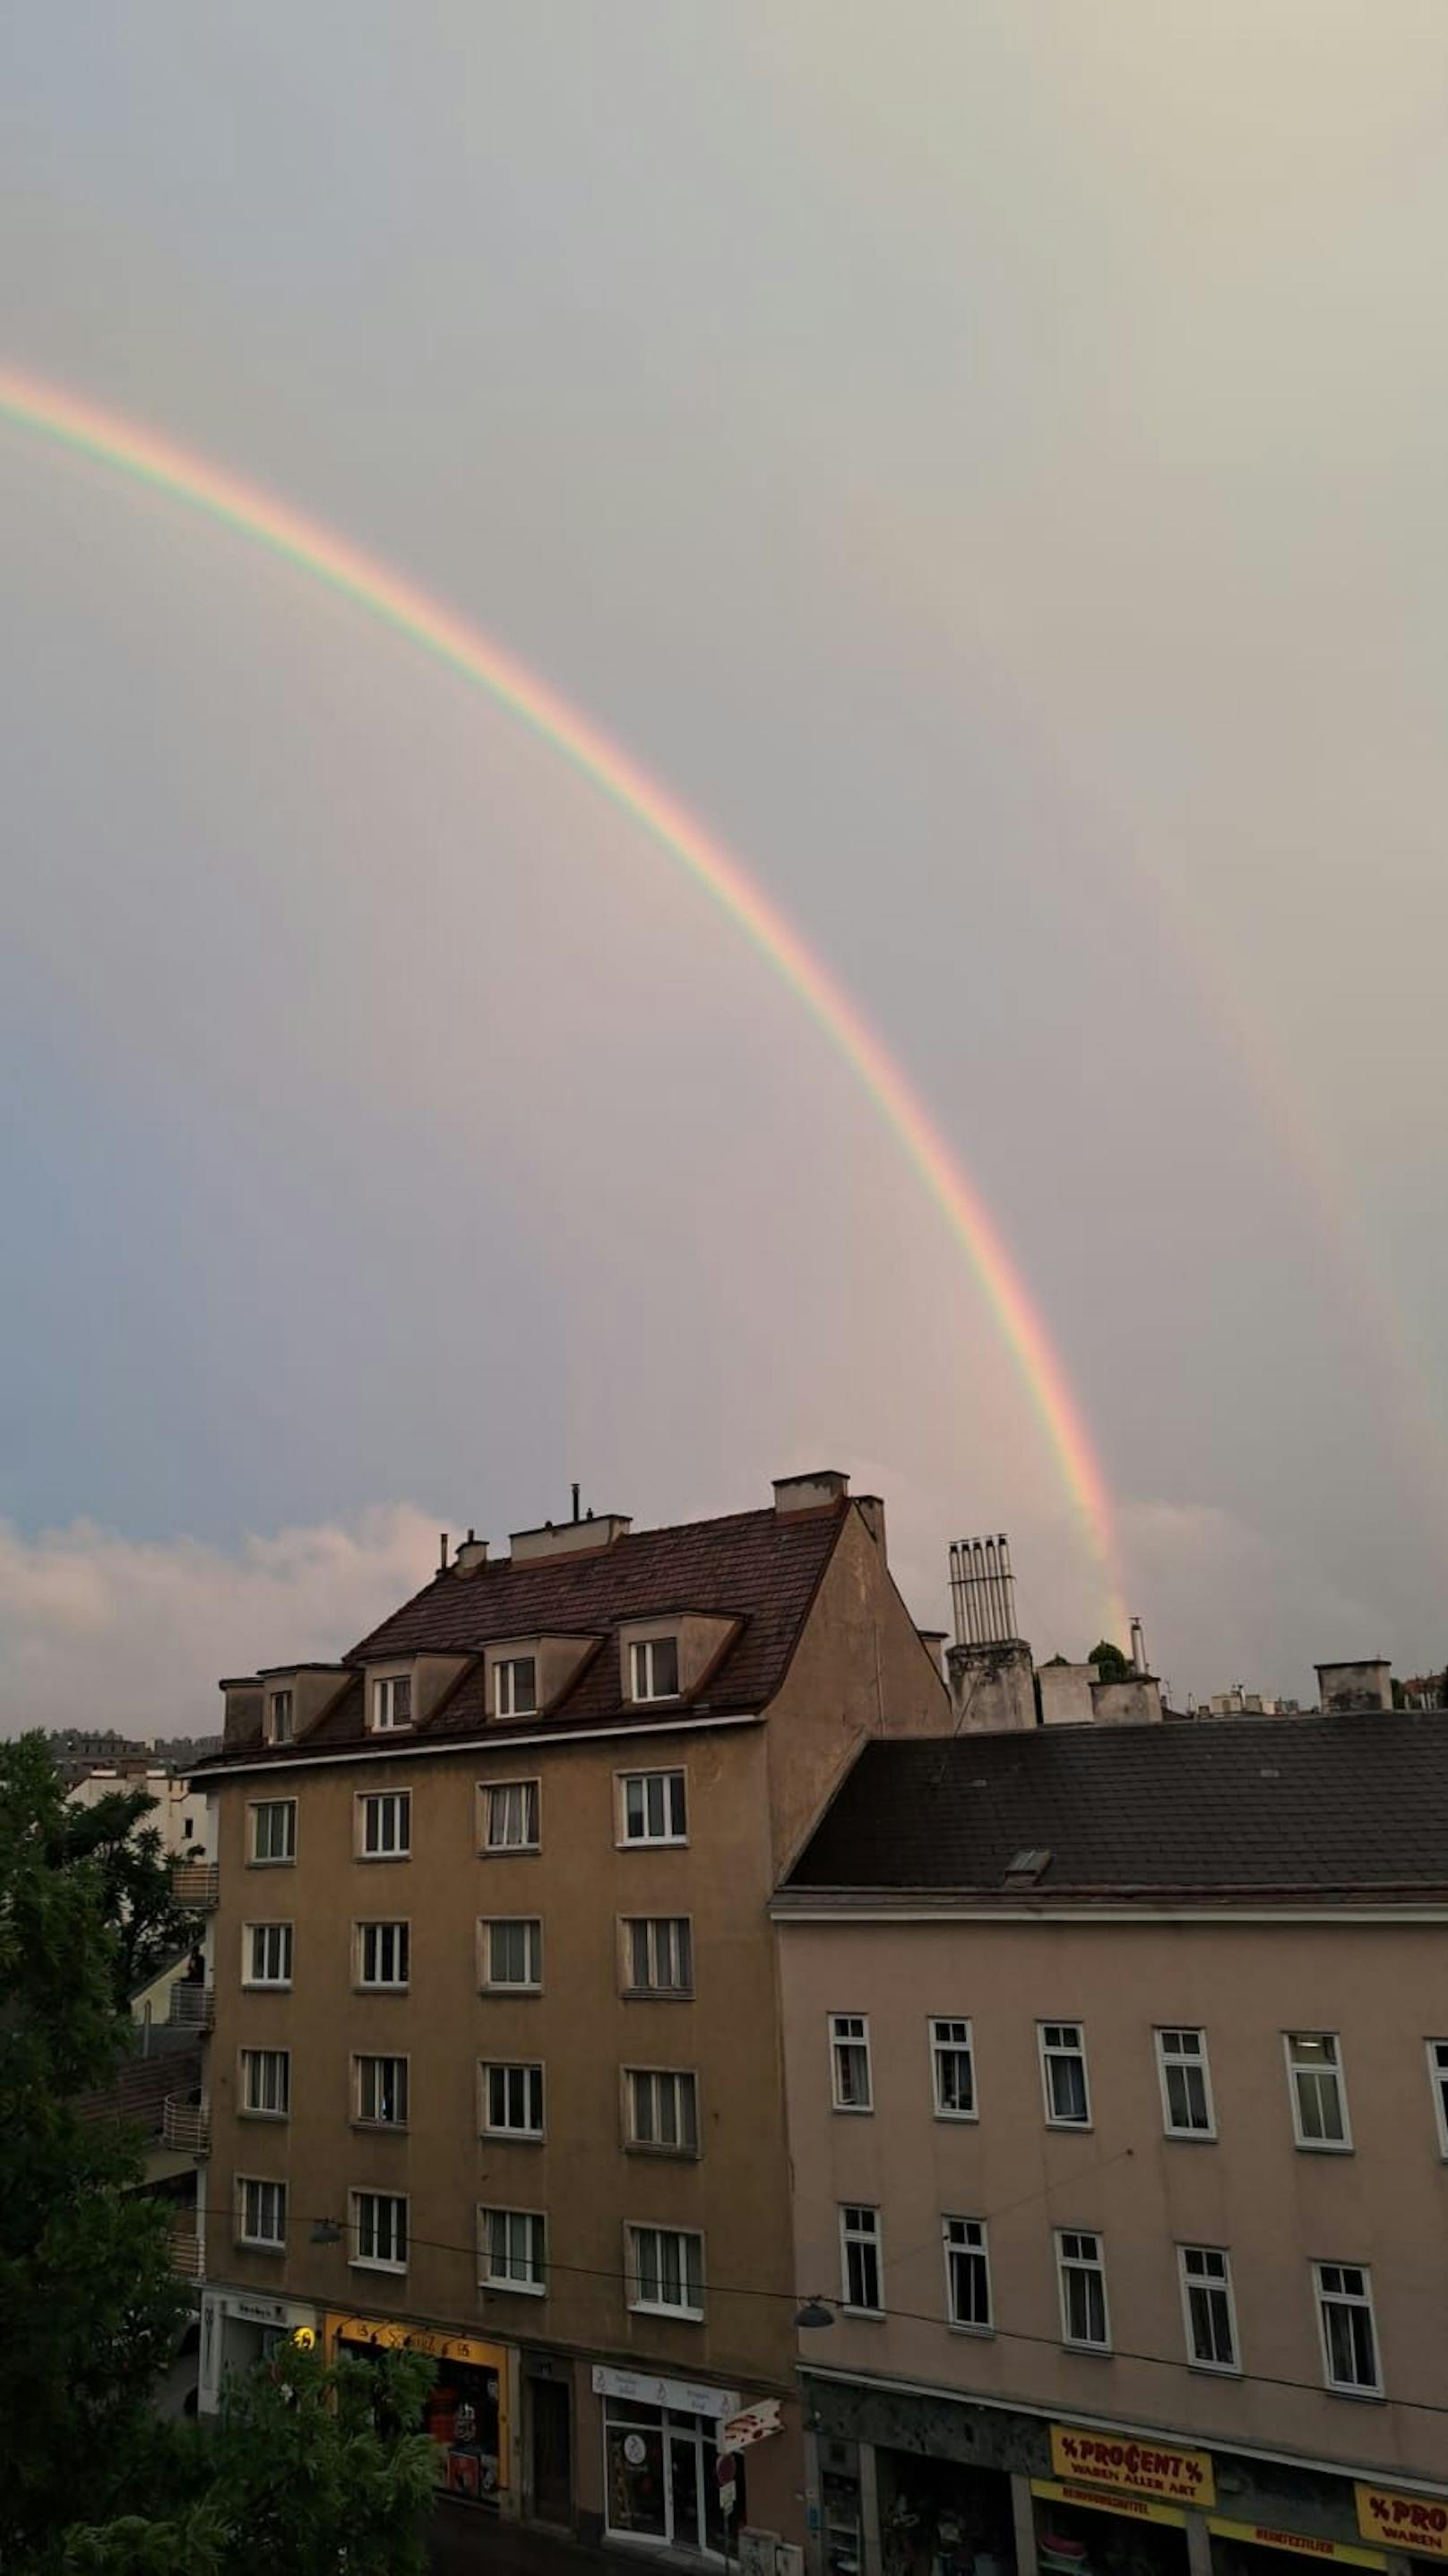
380,2091
1349,2336
1438,2079
261,2213
1207,2304
1082,2273
386,1825
850,2062
515,1687
1319,2095
663,2109
1063,2074
513,2250
664,2271
1186,2084
379,2230
654,1663
512,1952
658,1954
860,2272
279,1712
267,1955
510,1816
512,2101
266,2082
967,2274
952,2070
382,1954
653,1808
274,1829
392,1702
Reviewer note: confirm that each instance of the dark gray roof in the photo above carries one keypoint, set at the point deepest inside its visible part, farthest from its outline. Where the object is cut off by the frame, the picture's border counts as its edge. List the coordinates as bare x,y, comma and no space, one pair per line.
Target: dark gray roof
1233,1807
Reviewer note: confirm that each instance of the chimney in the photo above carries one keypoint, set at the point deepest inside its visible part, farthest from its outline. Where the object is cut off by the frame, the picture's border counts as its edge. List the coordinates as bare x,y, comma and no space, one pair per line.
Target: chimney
472,1552
1343,1689
989,1667
983,1591
819,1492
1138,1647
588,1537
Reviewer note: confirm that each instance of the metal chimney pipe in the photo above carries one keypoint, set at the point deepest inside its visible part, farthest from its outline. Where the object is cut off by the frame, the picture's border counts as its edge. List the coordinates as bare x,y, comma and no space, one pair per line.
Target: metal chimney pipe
982,1604
992,1581
957,1604
1138,1648
1008,1581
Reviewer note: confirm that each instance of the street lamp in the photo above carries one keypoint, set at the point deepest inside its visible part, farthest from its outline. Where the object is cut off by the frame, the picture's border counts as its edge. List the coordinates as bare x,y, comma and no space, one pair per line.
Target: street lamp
326,2232
813,2314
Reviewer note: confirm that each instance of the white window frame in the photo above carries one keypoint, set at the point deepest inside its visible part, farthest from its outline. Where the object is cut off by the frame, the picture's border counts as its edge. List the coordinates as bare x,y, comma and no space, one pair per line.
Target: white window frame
530,2285
974,2243
535,2093
1437,2050
1166,2059
267,1985
1325,2297
675,1791
360,2262
1317,2146
531,1926
399,1801
261,2182
488,1790
247,2061
684,2084
1053,2051
506,1700
651,1924
941,2048
281,1729
1069,2264
362,2118
1211,2283
641,1668
850,2033
381,1923
256,1809
873,2237
690,2307
383,1689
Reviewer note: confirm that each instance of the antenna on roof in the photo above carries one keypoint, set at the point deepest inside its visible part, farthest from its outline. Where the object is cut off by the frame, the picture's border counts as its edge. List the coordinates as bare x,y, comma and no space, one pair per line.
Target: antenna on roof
575,1502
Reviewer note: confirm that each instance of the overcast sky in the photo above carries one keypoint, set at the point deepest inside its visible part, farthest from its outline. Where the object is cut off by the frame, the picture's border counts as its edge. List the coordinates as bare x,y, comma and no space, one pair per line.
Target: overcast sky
988,461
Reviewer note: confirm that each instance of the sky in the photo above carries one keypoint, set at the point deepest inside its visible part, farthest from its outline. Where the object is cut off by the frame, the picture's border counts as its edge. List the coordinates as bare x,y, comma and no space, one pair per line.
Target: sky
986,463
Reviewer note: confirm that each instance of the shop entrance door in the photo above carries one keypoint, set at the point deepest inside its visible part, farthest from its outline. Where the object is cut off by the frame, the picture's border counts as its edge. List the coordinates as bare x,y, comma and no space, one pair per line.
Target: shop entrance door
686,2483
552,2450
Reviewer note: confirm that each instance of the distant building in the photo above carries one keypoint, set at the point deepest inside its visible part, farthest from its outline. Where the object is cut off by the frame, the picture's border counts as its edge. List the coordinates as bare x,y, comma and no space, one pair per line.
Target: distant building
179,1814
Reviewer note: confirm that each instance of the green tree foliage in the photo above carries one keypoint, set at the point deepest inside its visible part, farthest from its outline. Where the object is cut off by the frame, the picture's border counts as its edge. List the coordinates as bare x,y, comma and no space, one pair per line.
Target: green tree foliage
136,1886
1109,1660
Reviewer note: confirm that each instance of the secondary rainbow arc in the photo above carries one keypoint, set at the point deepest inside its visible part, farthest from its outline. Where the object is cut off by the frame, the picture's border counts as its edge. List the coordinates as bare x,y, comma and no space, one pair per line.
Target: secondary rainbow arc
85,429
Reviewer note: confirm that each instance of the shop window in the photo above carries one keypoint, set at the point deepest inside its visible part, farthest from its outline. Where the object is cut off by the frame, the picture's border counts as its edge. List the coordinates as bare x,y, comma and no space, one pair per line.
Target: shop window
662,2109
273,1829
1438,2079
379,2230
512,1952
512,2250
652,1807
952,2069
943,2518
654,1668
1082,2275
860,2263
261,2214
379,2091
660,2478
383,1956
267,1954
386,1825
515,1687
391,1702
1186,2084
1063,2074
1318,2093
510,1816
266,2083
850,2088
967,2274
664,2271
512,2101
1208,2306
1349,2334
658,1954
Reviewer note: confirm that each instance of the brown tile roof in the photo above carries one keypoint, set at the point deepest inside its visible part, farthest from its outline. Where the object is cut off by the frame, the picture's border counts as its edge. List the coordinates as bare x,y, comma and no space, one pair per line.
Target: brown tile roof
756,1567
1226,1808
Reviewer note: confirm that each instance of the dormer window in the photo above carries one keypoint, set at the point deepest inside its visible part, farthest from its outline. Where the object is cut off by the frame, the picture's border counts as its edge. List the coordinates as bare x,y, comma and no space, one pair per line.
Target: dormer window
654,1666
279,1717
392,1702
515,1687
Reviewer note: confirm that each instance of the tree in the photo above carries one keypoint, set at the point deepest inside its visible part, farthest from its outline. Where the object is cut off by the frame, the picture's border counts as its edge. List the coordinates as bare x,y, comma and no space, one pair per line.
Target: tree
1110,1663
137,1892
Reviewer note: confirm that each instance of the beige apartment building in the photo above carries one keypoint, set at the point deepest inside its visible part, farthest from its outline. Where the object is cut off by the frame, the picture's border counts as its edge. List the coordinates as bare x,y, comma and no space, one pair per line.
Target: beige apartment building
496,2068
1117,2072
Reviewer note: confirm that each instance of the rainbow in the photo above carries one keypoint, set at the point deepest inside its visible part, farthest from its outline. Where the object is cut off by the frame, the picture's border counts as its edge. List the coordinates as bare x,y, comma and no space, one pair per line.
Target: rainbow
82,429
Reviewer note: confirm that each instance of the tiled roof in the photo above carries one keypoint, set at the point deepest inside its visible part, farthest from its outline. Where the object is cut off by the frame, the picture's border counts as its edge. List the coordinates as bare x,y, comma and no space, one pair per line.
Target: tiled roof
756,1567
1224,1807
140,2090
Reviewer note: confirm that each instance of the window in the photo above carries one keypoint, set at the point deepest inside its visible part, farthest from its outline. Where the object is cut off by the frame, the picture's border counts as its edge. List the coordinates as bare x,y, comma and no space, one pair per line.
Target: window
1207,2304
850,2062
512,1951
1345,2321
261,2213
653,1807
512,2250
380,2091
379,2230
1438,2078
1319,2096
967,2274
392,1702
860,2260
267,1955
513,2101
1063,2074
1186,2085
663,2110
510,1816
274,1829
952,2067
386,1825
1084,2321
664,2270
266,2082
382,1954
515,1687
654,1663
658,1954
279,1716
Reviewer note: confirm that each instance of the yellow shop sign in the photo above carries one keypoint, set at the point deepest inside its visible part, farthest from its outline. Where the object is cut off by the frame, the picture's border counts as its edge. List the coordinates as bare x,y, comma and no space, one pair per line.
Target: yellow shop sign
1139,2508
1415,2522
1133,2464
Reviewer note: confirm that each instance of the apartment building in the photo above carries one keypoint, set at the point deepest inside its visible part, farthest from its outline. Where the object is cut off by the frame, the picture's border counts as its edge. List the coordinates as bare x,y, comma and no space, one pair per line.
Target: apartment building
1117,2072
496,2070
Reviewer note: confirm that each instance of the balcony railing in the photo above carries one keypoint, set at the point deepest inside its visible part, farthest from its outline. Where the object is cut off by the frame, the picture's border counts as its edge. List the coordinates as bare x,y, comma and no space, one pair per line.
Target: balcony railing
192,2007
193,1882
186,2253
186,2126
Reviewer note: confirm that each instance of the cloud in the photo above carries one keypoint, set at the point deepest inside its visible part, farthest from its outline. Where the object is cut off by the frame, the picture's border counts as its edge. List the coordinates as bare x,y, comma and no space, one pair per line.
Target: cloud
100,1630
